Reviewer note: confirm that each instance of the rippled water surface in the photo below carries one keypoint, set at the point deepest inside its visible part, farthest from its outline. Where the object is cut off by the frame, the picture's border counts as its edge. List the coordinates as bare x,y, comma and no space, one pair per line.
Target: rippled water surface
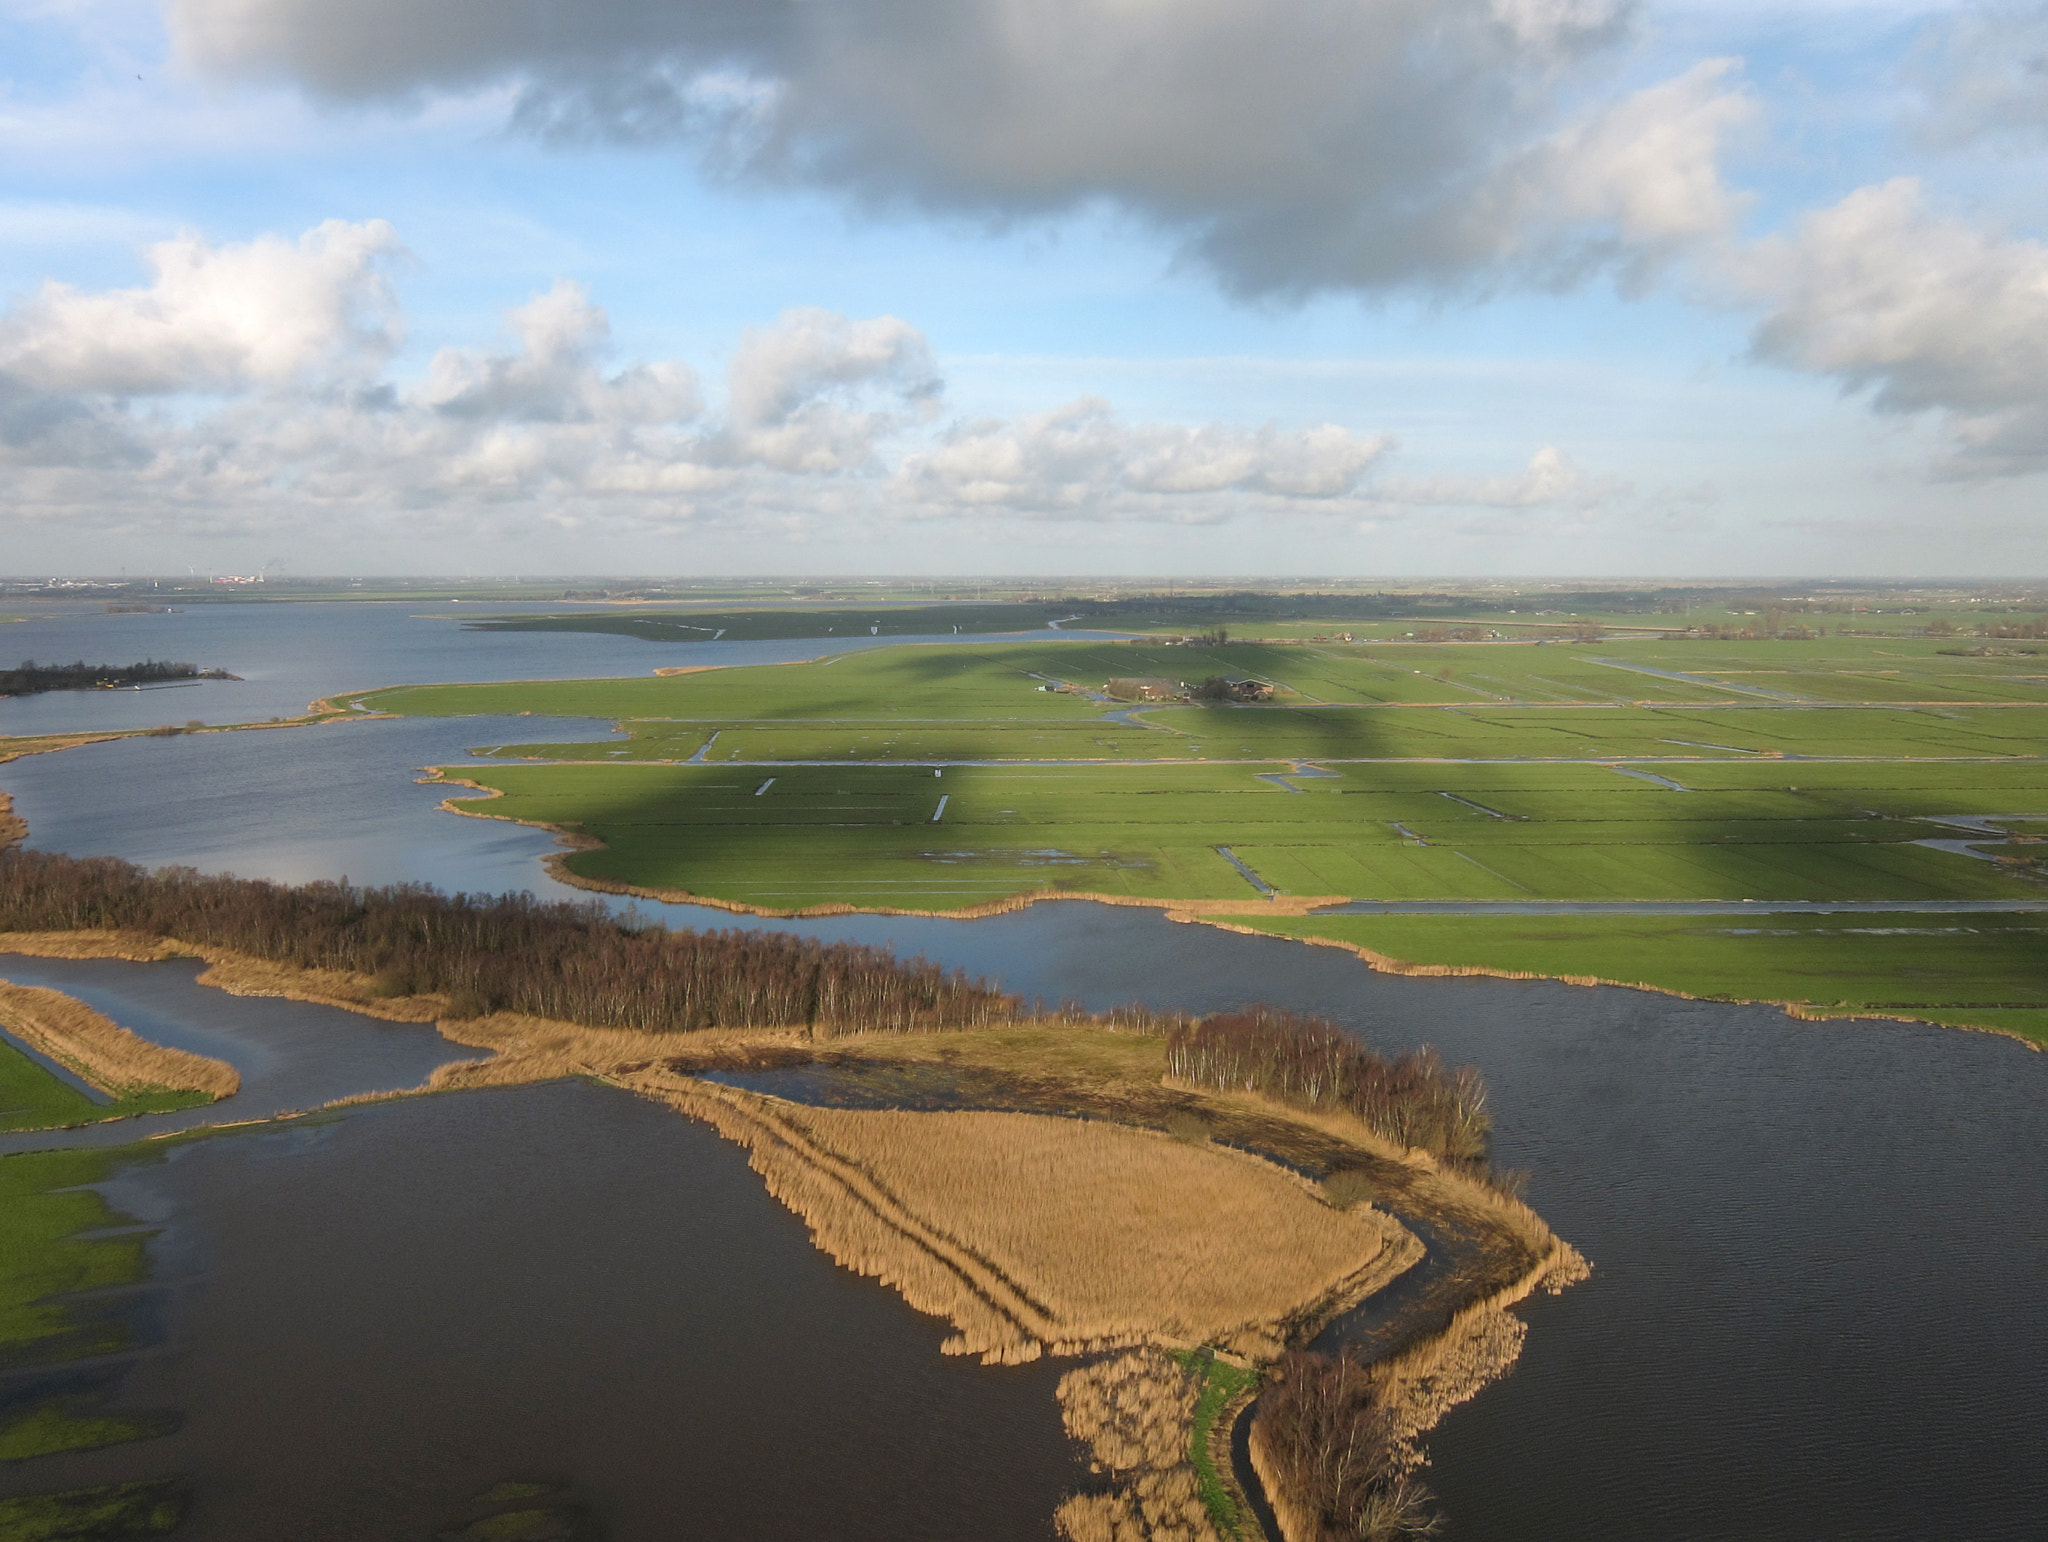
289,654
1815,1312
291,1054
372,1319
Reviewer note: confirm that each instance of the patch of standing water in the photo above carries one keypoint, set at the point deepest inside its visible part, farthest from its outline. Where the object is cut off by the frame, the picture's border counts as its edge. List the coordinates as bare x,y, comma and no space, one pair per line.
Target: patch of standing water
287,654
378,1316
292,804
291,1054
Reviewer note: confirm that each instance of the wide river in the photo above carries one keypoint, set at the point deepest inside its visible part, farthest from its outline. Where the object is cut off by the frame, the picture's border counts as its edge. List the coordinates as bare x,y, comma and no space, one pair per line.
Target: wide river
1815,1311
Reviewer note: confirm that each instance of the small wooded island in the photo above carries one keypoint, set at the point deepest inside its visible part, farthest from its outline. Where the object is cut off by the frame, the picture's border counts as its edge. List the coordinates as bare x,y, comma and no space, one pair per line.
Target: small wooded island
29,677
1188,1202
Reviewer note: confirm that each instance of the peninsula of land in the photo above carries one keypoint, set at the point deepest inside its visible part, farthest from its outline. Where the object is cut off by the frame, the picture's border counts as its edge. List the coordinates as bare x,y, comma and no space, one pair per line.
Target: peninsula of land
1196,1198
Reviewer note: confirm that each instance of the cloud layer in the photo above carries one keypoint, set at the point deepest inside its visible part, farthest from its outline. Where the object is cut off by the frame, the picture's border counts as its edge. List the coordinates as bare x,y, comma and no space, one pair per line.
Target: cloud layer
1926,313
251,387
214,318
1290,146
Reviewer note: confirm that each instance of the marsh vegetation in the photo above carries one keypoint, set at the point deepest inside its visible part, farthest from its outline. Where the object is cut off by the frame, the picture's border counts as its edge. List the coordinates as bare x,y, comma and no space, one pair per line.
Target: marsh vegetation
102,1052
1411,1099
1035,1234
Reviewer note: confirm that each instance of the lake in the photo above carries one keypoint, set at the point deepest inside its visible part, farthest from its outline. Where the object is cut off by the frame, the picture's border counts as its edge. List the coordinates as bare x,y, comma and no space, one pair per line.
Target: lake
1818,1267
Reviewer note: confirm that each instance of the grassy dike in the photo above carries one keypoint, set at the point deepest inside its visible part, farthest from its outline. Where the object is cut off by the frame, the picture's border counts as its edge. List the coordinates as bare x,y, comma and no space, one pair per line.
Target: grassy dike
1965,971
138,1077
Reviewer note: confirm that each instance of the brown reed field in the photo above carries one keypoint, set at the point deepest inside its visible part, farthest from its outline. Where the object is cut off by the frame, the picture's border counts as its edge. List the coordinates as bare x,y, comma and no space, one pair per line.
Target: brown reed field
1134,1414
119,1063
1032,1233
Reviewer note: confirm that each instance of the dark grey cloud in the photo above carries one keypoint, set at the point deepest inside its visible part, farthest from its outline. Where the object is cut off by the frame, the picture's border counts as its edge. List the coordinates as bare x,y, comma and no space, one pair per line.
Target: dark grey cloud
1288,145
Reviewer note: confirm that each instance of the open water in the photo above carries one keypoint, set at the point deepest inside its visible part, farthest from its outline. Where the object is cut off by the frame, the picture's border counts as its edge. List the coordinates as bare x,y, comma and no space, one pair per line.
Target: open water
1815,1311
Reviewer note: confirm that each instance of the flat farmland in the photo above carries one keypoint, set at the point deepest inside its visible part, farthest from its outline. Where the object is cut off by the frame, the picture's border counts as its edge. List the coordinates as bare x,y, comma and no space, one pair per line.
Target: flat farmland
947,777
1975,971
786,837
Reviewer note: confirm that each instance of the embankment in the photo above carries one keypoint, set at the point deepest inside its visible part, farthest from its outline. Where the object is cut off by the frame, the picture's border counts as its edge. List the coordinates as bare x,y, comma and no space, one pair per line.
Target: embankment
118,1062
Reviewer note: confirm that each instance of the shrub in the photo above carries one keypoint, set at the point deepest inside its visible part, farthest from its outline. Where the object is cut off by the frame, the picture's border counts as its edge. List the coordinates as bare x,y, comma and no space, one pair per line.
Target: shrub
1312,1063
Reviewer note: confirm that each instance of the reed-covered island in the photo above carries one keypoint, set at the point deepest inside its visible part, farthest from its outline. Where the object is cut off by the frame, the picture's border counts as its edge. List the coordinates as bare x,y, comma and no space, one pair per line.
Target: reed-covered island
1185,1204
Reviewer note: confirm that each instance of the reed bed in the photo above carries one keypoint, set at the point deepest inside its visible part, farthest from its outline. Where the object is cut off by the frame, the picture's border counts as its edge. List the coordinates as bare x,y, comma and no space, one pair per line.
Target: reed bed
1337,1443
1032,1233
119,1063
1135,1415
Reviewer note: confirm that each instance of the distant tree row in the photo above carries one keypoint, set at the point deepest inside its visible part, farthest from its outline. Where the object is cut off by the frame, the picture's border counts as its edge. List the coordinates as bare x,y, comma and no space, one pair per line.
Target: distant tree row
31,677
509,952
1412,1099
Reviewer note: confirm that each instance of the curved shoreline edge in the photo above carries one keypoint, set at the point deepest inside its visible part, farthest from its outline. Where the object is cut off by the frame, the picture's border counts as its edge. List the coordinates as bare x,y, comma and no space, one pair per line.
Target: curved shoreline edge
1193,911
1430,1374
100,1052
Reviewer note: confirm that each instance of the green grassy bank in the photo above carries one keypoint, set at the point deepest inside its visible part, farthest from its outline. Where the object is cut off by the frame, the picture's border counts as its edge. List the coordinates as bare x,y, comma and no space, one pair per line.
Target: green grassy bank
32,1099
1979,971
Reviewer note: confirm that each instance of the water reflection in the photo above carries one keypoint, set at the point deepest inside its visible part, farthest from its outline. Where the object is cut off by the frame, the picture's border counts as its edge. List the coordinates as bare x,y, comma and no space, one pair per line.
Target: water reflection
380,1316
291,1055
1816,1245
289,654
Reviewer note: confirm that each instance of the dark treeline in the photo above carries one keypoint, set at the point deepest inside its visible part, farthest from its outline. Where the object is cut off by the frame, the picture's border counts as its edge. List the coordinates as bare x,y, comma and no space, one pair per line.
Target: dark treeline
511,952
1325,1426
31,677
1305,1061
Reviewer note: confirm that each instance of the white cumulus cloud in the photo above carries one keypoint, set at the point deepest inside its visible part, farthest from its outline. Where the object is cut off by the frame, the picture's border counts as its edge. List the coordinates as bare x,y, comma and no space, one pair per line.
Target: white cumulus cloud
817,390
1081,461
214,318
198,419
1926,313
1550,478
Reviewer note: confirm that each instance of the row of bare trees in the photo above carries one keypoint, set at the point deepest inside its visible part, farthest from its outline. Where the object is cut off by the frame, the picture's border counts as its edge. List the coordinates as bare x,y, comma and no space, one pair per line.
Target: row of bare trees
1324,1425
572,962
1412,1098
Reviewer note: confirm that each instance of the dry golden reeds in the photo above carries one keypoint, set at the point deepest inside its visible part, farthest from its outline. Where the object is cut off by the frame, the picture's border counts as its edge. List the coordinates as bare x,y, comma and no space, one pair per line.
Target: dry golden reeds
1033,1233
1336,1444
1135,1414
119,1063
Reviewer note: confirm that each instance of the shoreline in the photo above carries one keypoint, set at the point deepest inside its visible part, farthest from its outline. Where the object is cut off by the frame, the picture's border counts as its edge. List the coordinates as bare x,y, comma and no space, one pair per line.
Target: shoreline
1192,911
1435,1371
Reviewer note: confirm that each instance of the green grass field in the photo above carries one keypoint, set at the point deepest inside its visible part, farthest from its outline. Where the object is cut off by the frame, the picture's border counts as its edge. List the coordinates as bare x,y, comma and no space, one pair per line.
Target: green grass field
1645,770
1980,970
32,1099
48,1256
43,1209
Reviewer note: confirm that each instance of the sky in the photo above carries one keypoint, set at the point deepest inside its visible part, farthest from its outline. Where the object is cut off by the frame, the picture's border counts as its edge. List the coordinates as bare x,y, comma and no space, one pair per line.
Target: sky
1343,288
